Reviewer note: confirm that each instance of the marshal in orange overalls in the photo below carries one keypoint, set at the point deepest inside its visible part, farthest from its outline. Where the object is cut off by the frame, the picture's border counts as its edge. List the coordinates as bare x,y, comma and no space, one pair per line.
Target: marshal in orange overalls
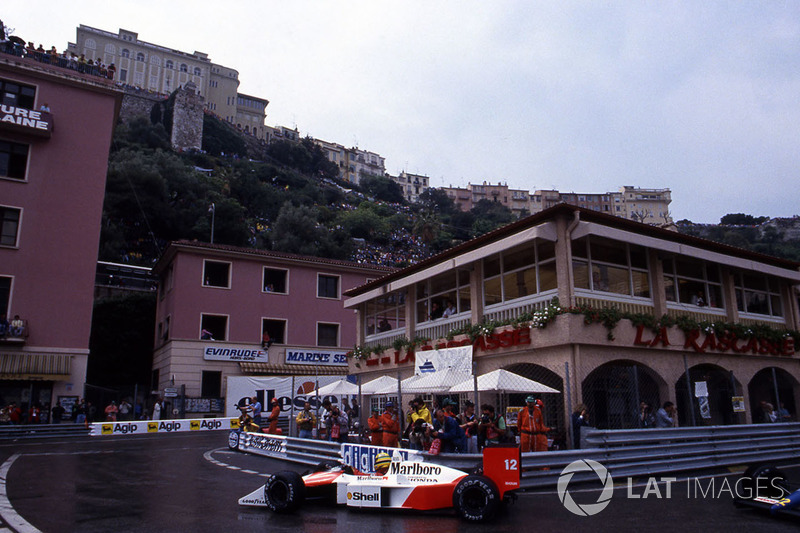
391,429
532,431
375,429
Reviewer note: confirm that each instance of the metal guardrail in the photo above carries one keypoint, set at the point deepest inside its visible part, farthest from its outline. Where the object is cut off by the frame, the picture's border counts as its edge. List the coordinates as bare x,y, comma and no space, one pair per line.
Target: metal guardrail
311,452
38,431
625,453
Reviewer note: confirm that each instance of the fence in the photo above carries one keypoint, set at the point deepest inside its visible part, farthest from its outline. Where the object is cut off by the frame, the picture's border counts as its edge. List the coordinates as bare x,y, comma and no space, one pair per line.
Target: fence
625,453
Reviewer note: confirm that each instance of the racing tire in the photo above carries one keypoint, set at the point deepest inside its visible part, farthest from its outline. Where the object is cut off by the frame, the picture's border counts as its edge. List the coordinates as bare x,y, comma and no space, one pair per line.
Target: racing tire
476,498
774,485
284,492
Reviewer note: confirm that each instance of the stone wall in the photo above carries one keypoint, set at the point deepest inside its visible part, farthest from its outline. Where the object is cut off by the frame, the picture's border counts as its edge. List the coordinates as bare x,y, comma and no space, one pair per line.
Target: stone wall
181,114
138,104
187,119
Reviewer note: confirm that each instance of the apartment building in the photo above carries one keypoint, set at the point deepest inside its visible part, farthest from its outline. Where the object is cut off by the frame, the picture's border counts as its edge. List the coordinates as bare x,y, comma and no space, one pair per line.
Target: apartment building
52,184
161,70
412,184
226,311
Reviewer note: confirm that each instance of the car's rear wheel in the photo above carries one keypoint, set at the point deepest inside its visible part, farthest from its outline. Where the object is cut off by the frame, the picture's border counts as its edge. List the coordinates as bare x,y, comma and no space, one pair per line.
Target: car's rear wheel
284,492
476,498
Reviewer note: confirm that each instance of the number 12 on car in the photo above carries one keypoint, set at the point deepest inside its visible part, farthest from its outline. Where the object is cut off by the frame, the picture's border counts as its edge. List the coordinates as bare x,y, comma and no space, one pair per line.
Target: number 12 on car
501,463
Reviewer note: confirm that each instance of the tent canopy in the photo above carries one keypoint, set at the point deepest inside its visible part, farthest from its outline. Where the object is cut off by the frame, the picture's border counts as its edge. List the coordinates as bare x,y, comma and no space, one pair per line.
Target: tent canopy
391,388
371,387
502,381
440,381
339,387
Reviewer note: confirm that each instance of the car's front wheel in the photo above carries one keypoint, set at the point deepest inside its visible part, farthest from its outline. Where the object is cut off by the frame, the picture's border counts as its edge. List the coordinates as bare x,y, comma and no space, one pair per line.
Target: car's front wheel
284,492
476,498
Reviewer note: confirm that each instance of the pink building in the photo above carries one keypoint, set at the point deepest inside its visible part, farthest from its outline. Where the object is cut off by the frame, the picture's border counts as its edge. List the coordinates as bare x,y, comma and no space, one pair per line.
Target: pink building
226,311
52,182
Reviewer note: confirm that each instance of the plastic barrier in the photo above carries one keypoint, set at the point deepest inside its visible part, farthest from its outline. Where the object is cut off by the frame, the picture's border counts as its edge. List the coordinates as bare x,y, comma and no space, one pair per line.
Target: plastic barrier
163,426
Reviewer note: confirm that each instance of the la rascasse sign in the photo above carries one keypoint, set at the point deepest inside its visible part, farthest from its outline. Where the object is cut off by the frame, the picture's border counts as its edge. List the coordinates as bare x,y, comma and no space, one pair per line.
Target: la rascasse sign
704,342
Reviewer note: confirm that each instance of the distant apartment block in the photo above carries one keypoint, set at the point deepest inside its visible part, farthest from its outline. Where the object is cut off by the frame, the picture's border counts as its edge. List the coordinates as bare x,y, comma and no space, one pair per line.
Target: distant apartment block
160,69
466,198
353,163
412,184
650,206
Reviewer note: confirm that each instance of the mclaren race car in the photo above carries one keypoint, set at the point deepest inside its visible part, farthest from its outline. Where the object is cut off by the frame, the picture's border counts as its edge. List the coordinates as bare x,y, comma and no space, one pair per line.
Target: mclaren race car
766,488
399,484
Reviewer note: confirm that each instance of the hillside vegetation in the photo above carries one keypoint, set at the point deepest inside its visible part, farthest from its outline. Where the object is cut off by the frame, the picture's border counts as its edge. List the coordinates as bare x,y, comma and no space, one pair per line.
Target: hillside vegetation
283,197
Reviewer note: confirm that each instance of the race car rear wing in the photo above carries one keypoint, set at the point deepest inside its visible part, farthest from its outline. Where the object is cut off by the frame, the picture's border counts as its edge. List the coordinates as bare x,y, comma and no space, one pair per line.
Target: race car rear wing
501,464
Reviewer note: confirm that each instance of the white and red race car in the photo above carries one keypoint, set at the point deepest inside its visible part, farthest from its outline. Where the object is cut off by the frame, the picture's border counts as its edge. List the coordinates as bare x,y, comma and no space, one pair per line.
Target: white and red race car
417,485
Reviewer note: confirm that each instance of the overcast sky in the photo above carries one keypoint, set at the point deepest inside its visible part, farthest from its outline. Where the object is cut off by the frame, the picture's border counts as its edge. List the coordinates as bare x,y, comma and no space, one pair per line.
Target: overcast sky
702,98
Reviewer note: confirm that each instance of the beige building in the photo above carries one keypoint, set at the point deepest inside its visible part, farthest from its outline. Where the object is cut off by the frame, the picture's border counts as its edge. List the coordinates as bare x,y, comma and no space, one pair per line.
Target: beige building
708,327
650,206
160,69
353,163
412,184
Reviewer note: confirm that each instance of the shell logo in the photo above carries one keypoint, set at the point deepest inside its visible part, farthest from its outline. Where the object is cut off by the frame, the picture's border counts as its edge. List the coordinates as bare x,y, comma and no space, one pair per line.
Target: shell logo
349,495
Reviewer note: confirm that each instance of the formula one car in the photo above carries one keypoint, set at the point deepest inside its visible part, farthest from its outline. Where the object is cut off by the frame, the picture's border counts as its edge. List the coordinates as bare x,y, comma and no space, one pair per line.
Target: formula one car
399,484
766,488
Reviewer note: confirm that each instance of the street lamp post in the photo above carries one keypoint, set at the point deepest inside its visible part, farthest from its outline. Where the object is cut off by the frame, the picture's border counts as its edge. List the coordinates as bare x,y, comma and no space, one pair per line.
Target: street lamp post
212,210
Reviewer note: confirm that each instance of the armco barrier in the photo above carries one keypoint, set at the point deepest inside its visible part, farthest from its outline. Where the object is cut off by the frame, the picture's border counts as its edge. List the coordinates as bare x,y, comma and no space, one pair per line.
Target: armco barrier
39,431
163,426
626,453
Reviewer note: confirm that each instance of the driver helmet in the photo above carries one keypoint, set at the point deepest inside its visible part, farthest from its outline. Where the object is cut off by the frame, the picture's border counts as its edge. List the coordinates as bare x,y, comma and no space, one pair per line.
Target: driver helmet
382,463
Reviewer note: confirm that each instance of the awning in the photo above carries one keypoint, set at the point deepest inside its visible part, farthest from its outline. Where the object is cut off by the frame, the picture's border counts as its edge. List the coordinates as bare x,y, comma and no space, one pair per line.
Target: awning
297,370
22,365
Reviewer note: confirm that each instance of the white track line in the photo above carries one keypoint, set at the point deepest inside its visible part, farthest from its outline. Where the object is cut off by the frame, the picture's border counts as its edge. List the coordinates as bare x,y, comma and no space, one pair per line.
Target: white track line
7,512
207,456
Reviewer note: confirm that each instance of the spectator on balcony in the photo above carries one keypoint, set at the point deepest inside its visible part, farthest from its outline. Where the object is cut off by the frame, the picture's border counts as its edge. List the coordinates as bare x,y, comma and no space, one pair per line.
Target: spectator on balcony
449,309
17,327
206,335
45,107
112,70
436,311
3,325
384,325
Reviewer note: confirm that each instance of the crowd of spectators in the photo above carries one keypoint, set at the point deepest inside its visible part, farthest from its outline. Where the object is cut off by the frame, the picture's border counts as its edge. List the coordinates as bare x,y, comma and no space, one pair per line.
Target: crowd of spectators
404,249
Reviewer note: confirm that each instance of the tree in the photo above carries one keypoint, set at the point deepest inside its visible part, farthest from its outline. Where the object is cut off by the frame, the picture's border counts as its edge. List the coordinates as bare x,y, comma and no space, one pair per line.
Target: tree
740,219
382,188
296,231
437,200
490,215
364,223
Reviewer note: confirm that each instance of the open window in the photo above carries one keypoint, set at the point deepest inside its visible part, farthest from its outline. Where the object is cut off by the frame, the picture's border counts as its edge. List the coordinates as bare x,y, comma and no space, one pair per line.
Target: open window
216,274
213,327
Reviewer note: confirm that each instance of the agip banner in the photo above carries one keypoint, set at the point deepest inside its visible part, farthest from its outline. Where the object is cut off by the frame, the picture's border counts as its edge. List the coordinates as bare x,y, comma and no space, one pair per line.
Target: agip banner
162,426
